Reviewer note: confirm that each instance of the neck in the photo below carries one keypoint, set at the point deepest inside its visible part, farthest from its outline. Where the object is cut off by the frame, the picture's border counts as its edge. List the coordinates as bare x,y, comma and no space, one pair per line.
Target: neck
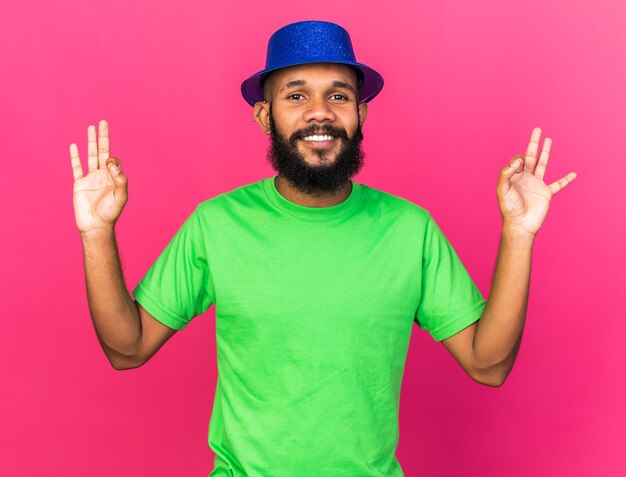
289,192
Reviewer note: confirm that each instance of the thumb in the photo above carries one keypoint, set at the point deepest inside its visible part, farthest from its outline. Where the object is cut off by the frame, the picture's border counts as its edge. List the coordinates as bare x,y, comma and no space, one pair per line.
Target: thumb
114,166
516,165
120,193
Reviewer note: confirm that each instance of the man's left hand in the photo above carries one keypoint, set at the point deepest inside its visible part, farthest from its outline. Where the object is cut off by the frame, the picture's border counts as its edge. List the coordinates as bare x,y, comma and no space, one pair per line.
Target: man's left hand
523,196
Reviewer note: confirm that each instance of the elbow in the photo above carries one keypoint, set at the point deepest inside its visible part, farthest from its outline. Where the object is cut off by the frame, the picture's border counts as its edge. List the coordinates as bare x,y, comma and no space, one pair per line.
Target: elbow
492,374
495,383
491,379
121,363
124,367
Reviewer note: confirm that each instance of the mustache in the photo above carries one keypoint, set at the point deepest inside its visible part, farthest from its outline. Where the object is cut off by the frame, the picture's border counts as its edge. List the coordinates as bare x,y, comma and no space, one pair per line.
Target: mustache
326,129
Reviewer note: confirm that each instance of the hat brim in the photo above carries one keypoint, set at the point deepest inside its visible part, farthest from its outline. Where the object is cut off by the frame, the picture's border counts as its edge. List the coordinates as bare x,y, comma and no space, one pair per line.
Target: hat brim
252,89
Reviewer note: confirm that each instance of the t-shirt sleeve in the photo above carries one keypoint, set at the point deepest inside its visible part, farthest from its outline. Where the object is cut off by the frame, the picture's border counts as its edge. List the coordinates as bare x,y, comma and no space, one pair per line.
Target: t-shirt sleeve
450,300
179,286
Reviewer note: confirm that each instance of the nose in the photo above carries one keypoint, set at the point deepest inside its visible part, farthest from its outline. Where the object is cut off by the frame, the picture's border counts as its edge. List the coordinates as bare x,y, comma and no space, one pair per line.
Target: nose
319,110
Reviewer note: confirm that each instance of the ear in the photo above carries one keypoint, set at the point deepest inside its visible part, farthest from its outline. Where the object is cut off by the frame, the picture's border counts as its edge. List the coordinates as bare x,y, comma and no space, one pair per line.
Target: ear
262,116
362,113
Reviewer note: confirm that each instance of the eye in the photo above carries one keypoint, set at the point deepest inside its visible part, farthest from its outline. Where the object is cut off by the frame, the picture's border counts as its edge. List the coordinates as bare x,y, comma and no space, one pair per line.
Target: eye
341,96
294,94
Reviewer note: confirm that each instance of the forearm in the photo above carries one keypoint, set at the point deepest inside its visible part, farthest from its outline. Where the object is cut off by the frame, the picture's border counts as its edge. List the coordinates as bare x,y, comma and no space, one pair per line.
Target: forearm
113,311
499,330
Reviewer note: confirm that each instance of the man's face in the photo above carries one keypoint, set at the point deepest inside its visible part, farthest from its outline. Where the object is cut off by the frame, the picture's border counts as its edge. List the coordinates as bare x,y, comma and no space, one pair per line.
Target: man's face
314,120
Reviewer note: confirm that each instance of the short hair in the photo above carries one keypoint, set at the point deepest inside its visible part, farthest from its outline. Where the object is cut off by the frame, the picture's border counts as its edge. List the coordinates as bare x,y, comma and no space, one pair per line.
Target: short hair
265,86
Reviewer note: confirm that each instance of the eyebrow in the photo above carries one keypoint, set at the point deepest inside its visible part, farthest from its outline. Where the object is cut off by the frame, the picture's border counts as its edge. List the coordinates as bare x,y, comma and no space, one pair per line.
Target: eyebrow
336,84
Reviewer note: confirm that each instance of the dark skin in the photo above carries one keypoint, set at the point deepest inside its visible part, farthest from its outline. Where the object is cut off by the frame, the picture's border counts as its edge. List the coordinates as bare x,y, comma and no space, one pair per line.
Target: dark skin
486,349
313,94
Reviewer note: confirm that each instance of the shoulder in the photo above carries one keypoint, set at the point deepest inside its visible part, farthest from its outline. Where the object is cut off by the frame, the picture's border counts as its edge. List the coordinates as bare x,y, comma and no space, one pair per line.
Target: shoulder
390,204
234,198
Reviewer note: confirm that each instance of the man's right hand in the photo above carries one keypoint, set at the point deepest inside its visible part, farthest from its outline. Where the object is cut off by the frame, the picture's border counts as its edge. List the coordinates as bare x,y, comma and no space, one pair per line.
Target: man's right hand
100,196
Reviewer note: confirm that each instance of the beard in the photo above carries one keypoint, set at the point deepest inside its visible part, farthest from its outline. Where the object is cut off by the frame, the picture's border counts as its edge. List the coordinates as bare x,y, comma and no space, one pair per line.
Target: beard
323,178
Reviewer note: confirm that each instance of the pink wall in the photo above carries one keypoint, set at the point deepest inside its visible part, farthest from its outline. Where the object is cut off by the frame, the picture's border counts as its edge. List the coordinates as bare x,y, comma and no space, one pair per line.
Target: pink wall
465,84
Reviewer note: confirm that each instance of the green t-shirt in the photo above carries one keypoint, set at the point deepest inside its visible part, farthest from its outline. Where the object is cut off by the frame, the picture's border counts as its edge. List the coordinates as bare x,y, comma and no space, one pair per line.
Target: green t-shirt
314,310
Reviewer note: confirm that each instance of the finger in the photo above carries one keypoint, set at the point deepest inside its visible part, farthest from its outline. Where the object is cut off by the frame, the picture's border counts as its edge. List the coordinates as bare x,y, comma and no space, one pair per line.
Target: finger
77,167
559,185
114,166
531,150
92,149
119,178
540,170
515,166
103,143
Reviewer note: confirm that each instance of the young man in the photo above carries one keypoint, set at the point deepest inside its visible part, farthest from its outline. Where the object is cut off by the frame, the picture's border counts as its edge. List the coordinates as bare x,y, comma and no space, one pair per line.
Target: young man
317,279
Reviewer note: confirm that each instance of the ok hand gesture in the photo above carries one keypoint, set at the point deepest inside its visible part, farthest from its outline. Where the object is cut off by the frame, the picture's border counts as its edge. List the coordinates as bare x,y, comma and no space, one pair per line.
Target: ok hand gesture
523,196
100,196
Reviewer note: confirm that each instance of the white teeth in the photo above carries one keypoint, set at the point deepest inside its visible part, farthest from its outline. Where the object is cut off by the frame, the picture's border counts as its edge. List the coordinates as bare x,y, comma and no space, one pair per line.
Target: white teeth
318,138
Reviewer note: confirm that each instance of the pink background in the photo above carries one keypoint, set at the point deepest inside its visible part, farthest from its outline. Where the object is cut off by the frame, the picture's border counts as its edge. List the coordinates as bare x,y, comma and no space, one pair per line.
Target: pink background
465,84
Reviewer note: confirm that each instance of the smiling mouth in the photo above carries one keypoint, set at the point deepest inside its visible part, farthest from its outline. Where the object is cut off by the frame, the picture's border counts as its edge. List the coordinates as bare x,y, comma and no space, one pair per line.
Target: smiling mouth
318,138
